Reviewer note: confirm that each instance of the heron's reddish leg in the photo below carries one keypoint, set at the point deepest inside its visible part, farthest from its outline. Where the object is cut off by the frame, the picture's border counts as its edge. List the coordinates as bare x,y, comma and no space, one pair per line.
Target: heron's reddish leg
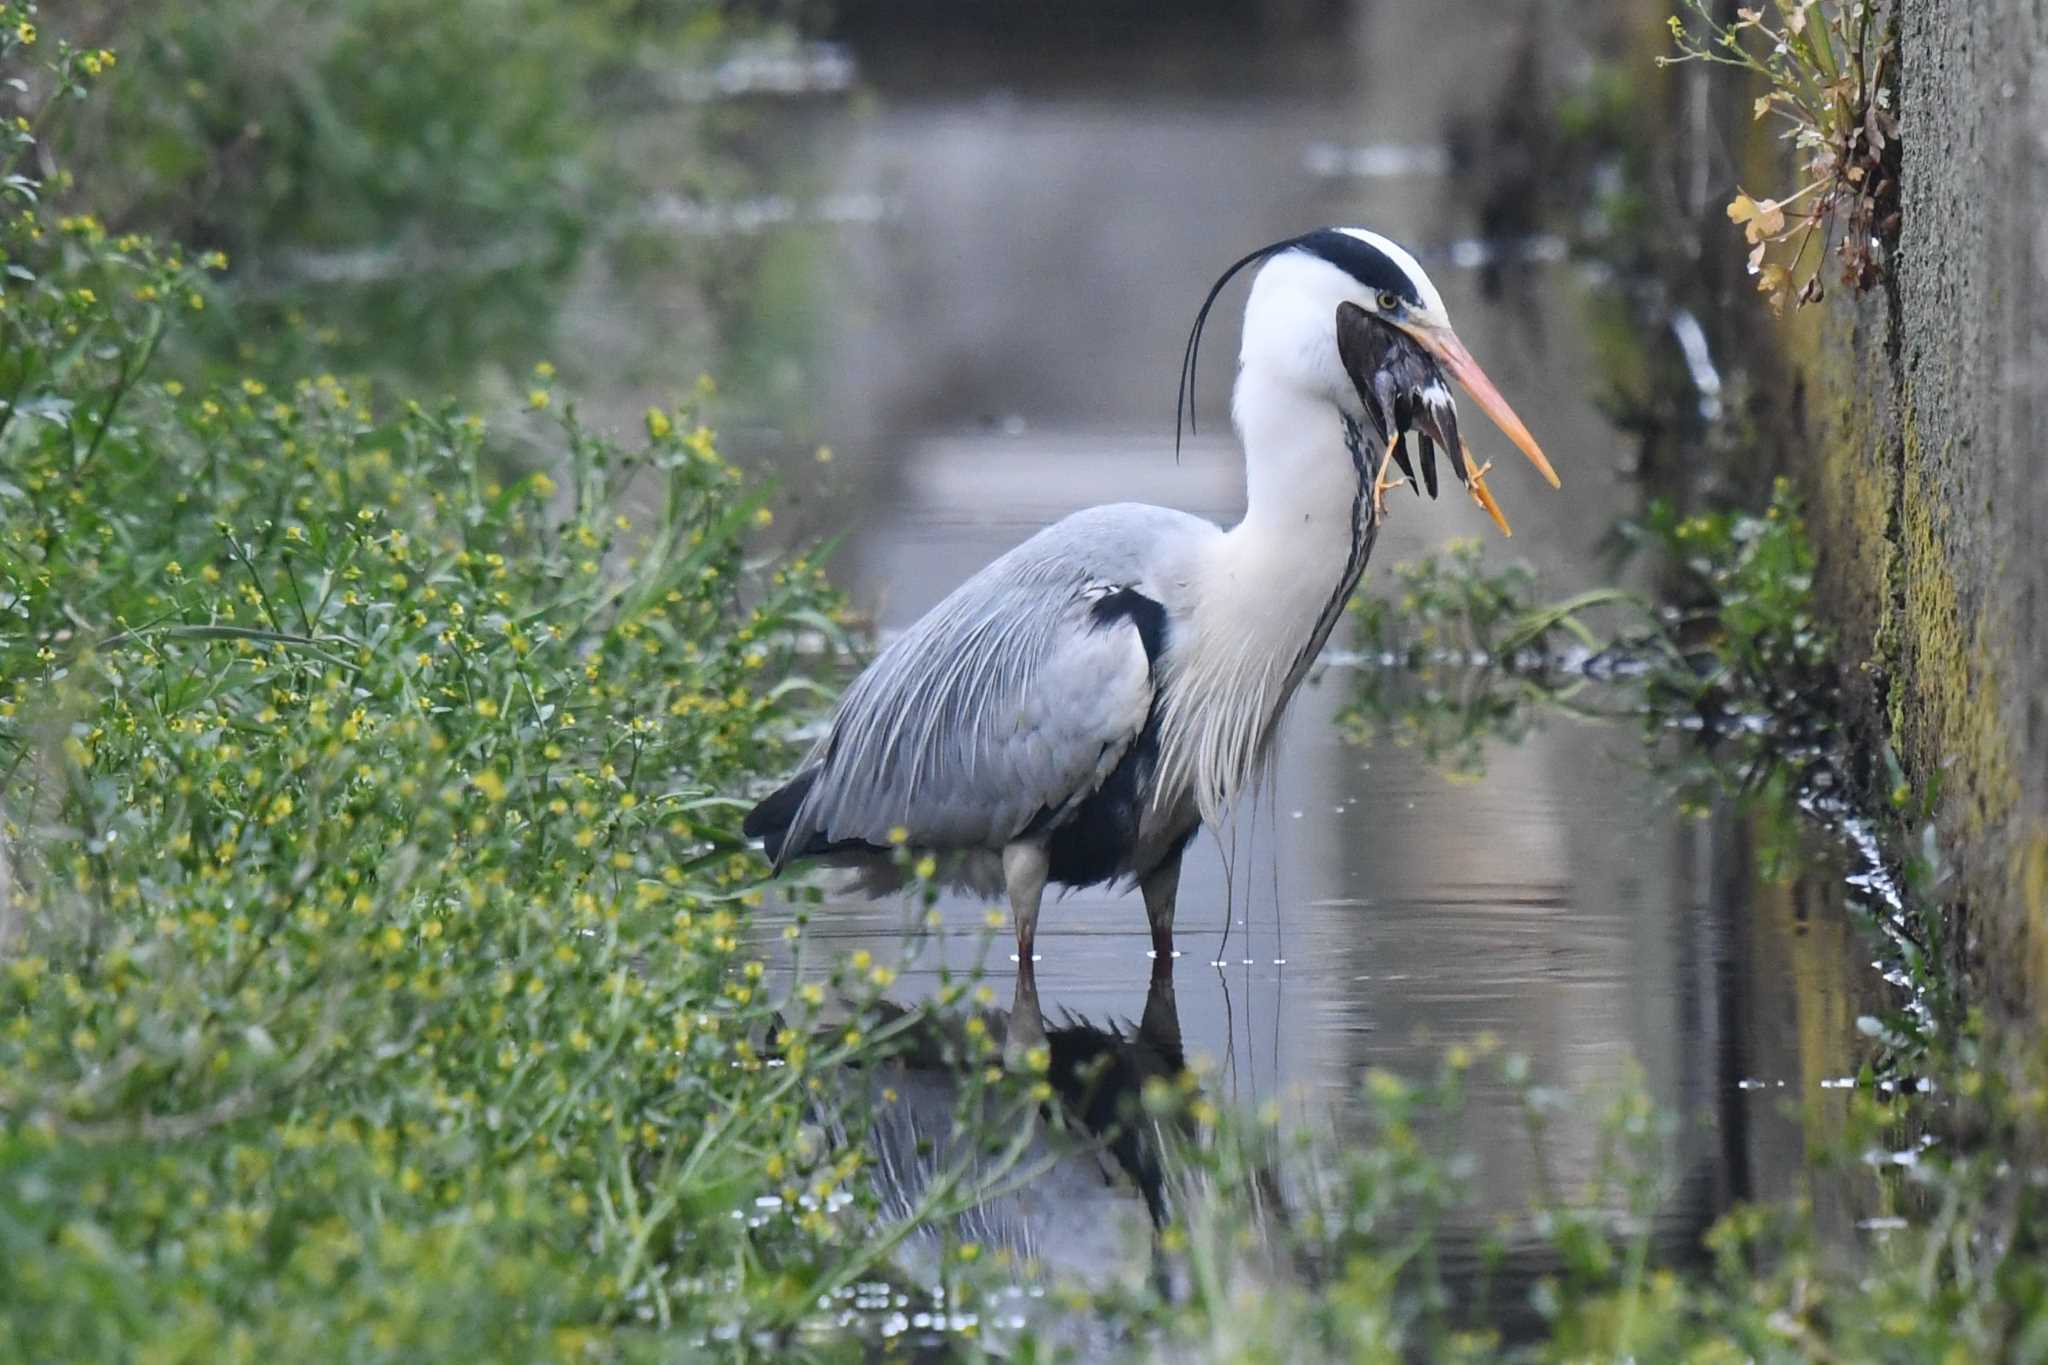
1161,887
1025,867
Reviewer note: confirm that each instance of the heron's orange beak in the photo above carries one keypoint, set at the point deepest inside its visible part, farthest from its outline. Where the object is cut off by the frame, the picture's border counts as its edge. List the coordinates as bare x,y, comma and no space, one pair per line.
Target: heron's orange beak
1445,346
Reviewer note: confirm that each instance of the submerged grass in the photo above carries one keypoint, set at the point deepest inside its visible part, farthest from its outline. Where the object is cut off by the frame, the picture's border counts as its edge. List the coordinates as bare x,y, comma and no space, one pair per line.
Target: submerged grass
1729,651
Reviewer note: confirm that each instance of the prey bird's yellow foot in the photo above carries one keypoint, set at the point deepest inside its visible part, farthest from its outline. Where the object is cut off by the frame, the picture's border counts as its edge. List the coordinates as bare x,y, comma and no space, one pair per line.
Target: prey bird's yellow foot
1382,483
1475,484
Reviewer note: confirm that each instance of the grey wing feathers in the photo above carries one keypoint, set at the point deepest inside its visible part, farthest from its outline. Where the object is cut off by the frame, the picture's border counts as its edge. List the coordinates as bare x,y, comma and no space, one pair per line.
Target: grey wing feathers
1004,706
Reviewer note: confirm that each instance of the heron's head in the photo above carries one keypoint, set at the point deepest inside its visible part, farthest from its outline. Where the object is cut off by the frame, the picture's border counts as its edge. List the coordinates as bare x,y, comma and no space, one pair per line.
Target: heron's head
1345,316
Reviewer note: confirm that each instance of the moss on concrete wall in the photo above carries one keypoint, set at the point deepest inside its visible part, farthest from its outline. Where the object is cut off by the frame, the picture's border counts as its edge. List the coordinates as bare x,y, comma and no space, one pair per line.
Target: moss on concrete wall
1926,482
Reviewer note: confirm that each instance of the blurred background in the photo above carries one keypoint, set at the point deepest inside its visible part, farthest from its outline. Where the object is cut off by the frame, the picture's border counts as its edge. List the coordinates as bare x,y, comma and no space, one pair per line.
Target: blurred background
940,257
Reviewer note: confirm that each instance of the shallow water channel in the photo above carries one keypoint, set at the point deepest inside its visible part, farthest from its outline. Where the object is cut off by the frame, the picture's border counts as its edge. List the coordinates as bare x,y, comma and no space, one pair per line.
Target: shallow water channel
994,345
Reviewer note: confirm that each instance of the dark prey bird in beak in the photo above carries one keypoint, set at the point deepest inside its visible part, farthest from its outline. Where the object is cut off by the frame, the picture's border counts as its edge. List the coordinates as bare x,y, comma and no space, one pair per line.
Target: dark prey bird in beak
1403,389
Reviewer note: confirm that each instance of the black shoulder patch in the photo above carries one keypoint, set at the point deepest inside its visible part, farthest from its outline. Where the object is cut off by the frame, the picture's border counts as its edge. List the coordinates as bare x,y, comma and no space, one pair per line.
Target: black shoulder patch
1363,262
1141,611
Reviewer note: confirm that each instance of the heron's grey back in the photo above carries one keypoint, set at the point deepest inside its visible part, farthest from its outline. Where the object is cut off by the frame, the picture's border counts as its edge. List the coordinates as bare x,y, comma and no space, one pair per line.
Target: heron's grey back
1011,700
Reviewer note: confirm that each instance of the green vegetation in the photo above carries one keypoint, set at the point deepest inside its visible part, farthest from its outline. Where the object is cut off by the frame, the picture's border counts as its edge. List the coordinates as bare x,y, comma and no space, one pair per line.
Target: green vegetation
377,977
416,190
1732,679
1826,72
1730,651
1462,657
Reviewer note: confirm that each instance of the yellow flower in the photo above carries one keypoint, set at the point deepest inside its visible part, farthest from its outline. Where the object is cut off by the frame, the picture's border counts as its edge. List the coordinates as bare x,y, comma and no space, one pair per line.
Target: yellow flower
545,370
764,517
26,32
658,425
899,835
927,867
491,785
537,399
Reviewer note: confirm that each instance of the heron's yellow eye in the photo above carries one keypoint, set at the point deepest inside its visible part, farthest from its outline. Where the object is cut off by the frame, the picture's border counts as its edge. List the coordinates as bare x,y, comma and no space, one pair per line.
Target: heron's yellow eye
1389,301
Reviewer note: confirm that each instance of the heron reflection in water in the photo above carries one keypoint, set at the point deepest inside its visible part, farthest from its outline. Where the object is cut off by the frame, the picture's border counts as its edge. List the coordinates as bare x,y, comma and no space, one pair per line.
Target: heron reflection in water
1098,1179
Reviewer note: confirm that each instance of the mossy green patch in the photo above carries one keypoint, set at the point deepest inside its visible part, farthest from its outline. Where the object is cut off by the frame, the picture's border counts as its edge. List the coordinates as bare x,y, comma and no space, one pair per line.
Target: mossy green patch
1849,490
1950,672
1921,656
2030,876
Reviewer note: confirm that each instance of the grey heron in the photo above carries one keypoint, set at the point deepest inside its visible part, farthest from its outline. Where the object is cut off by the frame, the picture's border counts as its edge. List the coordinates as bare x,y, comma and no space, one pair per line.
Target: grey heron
1077,709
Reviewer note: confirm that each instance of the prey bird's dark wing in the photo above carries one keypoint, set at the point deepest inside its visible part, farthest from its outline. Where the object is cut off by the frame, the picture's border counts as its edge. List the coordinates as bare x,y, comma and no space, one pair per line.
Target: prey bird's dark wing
1363,344
1402,389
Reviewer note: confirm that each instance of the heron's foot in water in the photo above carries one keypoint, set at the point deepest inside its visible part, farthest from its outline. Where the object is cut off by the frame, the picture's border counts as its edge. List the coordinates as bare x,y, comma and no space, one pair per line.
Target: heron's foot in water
1162,944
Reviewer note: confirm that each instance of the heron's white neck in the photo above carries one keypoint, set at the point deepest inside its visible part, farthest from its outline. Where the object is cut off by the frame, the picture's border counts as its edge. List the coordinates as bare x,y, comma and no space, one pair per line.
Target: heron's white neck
1263,595
1301,488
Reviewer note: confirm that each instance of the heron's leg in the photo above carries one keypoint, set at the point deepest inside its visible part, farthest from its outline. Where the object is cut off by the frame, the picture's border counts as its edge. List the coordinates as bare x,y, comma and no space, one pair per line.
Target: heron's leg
1159,1026
1162,888
1026,1029
1025,867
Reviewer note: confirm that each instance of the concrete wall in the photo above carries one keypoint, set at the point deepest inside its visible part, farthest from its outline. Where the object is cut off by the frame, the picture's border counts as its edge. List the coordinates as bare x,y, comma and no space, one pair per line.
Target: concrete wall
1929,490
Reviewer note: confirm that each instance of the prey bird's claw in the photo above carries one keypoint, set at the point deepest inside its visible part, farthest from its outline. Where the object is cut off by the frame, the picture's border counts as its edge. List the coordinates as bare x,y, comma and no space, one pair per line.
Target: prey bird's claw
1401,458
1381,484
1475,484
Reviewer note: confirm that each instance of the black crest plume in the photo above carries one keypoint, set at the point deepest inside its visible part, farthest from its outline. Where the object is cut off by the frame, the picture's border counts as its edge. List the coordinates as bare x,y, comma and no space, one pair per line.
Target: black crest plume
1184,396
